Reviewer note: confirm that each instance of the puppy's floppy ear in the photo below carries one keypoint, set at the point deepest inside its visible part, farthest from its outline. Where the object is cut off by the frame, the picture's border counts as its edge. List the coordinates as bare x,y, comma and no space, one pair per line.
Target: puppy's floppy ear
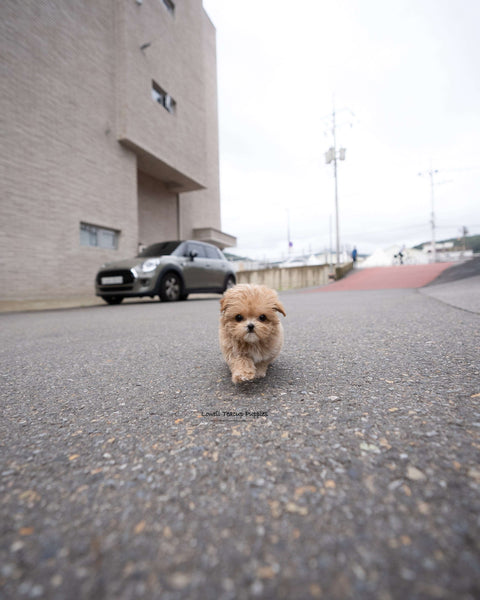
223,305
279,307
228,298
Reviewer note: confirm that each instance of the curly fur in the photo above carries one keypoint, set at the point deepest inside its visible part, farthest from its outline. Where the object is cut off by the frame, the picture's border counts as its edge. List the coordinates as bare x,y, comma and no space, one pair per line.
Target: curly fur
250,334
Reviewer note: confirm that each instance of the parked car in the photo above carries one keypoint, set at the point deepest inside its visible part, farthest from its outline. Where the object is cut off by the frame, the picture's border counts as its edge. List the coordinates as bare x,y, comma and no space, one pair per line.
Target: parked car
170,270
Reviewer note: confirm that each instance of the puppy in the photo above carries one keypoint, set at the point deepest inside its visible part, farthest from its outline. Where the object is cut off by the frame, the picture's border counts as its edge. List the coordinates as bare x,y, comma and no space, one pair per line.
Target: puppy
251,334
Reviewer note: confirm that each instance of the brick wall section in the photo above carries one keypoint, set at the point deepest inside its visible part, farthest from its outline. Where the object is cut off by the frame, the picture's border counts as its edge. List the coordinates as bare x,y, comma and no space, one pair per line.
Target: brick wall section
74,85
61,163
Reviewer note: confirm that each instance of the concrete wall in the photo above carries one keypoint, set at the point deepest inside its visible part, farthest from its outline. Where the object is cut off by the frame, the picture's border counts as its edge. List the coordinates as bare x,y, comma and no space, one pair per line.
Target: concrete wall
342,270
293,277
173,146
286,279
202,208
157,211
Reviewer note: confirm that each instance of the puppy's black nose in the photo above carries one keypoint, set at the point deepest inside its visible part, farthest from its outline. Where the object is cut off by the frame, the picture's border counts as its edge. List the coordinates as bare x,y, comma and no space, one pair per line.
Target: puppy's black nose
250,327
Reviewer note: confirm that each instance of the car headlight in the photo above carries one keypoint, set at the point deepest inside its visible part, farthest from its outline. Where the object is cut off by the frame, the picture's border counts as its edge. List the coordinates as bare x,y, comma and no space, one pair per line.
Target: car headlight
150,265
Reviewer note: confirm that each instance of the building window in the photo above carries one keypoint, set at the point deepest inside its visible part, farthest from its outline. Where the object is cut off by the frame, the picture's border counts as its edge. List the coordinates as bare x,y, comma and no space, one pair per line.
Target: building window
163,98
99,237
170,6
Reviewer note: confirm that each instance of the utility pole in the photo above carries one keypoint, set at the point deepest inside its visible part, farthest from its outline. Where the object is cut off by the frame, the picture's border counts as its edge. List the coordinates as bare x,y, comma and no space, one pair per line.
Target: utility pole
332,156
330,261
464,233
431,172
337,217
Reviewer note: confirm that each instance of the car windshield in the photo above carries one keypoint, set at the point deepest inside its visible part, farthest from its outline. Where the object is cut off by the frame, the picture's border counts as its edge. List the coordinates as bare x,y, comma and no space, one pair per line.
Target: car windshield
160,249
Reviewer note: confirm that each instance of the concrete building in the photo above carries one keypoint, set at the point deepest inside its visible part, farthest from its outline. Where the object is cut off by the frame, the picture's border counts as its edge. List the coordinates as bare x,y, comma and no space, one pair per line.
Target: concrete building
110,137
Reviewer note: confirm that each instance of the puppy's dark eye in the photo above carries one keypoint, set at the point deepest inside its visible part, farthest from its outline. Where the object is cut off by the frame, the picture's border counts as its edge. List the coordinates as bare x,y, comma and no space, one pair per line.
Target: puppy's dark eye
262,318
238,318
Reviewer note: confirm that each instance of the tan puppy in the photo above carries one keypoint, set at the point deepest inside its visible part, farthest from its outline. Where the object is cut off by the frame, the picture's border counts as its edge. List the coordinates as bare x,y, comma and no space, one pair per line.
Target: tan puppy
251,334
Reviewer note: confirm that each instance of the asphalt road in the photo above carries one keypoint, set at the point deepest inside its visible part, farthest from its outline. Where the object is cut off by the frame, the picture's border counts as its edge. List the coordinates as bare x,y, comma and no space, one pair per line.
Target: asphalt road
122,475
464,270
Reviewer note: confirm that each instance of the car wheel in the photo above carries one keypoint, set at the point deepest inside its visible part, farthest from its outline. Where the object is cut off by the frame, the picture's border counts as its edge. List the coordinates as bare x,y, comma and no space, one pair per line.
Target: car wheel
170,288
112,299
229,283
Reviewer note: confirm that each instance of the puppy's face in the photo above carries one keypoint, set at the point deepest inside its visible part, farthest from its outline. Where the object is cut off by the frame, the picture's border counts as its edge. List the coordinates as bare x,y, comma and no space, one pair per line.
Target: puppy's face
250,313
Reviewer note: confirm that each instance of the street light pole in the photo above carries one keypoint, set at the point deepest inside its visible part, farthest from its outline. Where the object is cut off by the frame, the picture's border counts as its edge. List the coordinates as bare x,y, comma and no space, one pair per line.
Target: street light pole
431,172
331,156
337,218
434,244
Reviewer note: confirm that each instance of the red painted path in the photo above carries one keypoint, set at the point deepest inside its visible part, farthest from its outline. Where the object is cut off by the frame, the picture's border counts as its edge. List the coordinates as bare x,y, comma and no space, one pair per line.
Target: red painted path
387,278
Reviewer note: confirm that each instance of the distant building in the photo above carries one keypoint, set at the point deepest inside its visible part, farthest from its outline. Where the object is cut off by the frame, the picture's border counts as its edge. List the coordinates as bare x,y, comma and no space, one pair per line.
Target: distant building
439,246
110,137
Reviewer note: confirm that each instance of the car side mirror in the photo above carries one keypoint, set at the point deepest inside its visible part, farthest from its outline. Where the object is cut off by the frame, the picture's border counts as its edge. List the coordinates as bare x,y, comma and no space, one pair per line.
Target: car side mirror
193,254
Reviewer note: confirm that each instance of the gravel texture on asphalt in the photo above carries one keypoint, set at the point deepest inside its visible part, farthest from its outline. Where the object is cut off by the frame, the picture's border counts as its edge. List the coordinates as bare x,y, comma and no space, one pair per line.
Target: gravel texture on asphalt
350,471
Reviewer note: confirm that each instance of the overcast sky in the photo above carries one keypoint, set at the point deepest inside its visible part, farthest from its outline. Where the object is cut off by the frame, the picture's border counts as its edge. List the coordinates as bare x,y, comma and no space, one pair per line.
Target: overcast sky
404,77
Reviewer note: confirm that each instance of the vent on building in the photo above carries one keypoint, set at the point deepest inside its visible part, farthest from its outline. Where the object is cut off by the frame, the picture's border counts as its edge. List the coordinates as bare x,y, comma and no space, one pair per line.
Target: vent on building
163,98
170,6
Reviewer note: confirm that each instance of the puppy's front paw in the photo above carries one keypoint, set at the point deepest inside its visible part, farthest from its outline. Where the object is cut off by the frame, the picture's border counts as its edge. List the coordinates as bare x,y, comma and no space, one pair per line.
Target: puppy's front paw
246,374
261,369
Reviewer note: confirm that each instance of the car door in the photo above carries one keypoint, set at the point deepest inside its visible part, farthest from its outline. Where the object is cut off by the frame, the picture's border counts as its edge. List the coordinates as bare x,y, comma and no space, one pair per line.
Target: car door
218,267
196,270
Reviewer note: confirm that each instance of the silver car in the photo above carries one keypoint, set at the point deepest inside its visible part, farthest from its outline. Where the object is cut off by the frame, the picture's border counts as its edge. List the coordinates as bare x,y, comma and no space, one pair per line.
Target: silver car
170,270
